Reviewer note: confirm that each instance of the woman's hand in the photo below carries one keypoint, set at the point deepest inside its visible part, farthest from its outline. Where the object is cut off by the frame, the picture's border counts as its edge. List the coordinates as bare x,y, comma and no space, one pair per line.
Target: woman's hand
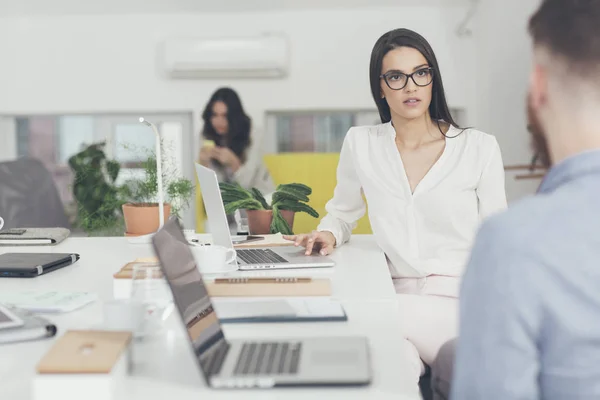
323,242
226,157
205,156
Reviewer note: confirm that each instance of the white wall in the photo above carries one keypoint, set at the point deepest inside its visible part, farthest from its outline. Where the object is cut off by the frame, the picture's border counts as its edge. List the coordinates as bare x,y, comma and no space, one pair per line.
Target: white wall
503,61
110,63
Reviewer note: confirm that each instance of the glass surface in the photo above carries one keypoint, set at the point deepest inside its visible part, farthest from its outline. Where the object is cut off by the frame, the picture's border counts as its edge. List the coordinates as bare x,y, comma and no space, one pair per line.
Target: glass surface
133,142
149,288
189,292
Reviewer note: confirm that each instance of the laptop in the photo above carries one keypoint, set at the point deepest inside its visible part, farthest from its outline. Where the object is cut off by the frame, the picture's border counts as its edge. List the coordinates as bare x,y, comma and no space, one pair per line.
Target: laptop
257,363
256,258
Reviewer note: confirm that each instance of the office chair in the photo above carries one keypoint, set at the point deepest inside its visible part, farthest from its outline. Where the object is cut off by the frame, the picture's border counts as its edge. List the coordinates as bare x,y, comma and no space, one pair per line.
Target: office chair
28,196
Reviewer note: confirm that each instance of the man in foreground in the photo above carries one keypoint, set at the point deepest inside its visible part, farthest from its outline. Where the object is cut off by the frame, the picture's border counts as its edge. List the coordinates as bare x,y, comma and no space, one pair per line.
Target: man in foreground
530,300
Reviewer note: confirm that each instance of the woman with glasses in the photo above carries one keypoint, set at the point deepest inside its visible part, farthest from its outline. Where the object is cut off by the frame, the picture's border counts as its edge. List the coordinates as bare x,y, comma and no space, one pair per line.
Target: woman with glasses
428,185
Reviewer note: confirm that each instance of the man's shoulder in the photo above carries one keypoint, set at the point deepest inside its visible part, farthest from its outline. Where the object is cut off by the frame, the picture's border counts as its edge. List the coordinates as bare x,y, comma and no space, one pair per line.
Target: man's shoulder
519,222
535,216
508,240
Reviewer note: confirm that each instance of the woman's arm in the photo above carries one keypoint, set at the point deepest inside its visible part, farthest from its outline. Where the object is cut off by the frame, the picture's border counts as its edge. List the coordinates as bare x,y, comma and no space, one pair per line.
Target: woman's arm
347,205
491,191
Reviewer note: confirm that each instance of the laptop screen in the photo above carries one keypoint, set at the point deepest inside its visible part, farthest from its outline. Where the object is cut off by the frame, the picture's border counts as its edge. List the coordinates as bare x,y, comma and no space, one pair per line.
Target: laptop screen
213,203
189,293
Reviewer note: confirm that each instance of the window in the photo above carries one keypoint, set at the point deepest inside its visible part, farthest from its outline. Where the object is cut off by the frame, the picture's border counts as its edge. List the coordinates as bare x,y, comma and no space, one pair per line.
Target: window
319,131
54,139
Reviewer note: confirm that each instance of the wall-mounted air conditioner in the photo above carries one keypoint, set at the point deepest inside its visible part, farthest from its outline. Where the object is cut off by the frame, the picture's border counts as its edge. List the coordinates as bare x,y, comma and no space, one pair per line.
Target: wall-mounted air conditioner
264,56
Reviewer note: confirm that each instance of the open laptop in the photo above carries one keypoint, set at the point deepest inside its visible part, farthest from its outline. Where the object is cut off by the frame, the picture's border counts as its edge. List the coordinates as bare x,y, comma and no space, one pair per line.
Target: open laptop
340,361
249,259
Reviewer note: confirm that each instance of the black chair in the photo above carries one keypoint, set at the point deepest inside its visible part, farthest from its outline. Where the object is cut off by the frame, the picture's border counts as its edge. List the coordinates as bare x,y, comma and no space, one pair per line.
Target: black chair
425,385
28,196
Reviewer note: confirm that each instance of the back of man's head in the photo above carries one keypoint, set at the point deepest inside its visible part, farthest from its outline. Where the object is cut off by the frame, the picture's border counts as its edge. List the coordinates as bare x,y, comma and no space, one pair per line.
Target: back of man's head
564,92
569,32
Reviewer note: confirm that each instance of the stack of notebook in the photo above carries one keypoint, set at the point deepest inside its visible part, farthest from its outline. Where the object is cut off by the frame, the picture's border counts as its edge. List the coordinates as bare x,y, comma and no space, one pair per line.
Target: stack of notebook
266,299
234,287
33,236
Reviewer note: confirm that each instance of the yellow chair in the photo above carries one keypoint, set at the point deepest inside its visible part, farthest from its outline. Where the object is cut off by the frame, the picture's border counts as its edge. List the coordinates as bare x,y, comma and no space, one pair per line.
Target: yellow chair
317,170
200,210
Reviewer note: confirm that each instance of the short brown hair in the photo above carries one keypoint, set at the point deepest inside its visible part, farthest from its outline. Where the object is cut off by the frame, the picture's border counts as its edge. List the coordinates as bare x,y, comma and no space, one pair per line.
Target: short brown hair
570,29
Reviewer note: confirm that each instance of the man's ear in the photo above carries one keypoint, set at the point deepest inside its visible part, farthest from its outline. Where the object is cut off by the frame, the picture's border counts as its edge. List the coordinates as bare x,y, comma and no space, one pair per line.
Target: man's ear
538,87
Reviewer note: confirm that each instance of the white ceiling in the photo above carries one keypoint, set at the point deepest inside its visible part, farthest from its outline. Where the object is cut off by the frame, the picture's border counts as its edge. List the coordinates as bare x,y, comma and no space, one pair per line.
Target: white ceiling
77,7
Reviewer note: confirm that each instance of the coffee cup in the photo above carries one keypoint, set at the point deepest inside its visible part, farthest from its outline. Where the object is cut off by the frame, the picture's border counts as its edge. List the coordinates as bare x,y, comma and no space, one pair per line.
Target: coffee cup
214,259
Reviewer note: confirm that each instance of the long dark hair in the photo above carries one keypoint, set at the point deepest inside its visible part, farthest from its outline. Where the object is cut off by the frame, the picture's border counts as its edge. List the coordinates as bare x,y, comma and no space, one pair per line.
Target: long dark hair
238,136
438,109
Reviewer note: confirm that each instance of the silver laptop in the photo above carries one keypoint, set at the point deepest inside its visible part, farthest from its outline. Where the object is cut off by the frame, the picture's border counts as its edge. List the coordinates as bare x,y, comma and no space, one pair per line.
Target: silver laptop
256,258
258,363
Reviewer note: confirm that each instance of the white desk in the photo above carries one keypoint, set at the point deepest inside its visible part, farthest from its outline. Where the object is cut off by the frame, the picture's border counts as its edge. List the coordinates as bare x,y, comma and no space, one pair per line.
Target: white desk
360,280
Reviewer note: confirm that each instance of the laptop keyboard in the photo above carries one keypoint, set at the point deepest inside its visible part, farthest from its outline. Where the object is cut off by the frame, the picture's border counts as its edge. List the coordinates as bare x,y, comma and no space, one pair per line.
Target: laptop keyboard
213,363
260,256
268,359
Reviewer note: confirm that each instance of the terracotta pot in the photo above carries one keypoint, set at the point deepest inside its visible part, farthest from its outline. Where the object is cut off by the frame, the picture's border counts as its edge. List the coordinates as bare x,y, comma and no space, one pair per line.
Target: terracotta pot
142,218
259,221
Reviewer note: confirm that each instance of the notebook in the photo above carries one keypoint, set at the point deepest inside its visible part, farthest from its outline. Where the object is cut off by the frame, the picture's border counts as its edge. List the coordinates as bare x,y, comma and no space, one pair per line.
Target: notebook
274,240
248,287
47,301
33,236
85,352
268,287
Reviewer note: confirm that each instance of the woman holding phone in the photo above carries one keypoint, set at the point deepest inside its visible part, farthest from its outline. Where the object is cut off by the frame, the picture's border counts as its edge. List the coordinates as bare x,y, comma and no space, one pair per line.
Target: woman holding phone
227,147
428,184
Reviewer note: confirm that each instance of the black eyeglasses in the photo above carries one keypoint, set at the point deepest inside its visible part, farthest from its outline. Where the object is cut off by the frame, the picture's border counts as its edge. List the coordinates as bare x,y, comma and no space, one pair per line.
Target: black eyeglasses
396,80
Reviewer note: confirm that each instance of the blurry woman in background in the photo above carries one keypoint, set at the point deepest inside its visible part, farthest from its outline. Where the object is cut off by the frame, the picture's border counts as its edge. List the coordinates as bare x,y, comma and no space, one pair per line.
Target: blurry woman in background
227,145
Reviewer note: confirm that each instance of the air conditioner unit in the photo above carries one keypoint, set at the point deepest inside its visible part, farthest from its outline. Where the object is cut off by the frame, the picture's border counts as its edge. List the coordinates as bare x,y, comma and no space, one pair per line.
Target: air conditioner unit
263,56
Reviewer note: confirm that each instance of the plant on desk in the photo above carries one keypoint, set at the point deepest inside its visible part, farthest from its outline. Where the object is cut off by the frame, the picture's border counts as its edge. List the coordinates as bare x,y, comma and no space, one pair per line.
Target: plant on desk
140,207
106,209
264,218
95,191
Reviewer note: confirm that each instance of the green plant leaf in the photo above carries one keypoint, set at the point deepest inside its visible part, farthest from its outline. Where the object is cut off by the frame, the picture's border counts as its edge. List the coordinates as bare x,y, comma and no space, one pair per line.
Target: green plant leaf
298,187
258,196
280,196
232,192
247,204
113,168
293,193
279,224
297,207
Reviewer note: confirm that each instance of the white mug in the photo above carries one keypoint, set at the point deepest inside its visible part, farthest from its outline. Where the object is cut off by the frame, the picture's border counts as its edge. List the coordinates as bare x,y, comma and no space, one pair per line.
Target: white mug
213,259
1,223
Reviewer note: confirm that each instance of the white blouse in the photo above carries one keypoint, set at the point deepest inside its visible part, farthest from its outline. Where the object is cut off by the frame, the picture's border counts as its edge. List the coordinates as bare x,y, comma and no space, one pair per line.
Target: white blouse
431,230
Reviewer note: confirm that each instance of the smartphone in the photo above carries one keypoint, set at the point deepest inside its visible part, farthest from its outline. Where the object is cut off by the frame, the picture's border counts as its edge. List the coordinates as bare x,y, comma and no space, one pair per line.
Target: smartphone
246,239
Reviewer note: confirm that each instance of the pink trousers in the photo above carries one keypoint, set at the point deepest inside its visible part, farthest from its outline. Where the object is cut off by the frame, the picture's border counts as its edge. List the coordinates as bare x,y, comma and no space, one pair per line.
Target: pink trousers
428,314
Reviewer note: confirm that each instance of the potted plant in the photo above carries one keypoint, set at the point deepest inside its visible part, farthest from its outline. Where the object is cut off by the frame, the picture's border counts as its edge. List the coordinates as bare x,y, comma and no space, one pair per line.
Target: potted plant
140,207
95,192
105,208
276,216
